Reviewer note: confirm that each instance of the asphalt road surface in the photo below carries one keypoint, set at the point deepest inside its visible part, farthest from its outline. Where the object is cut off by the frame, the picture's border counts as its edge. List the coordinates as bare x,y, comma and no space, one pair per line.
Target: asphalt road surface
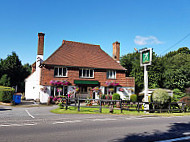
37,124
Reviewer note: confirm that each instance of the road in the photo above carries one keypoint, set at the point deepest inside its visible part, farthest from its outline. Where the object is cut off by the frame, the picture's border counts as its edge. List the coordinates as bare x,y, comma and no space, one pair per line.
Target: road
37,124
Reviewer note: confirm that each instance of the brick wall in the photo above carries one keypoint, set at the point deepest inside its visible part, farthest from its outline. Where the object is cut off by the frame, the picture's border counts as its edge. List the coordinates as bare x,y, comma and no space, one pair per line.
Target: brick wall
47,75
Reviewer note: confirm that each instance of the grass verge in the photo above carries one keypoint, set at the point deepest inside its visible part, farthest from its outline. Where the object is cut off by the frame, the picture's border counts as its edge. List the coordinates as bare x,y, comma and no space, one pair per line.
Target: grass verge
85,110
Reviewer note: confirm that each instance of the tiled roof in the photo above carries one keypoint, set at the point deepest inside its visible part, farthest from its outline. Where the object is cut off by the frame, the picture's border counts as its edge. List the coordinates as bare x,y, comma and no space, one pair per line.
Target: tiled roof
76,54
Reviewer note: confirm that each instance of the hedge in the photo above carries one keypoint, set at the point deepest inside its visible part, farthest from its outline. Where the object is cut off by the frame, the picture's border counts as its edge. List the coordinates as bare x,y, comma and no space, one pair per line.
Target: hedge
6,94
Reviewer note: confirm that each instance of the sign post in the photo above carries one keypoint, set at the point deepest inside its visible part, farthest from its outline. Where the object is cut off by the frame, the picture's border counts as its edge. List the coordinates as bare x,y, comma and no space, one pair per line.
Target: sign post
145,60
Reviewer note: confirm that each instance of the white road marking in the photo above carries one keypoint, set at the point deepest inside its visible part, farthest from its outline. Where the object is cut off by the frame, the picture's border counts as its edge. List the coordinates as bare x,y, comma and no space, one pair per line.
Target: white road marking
4,125
106,119
25,124
29,113
167,117
178,116
129,118
186,133
30,124
175,140
62,122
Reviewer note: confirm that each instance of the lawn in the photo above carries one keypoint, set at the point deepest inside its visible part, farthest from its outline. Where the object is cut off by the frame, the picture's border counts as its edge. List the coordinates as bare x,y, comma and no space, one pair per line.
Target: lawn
88,110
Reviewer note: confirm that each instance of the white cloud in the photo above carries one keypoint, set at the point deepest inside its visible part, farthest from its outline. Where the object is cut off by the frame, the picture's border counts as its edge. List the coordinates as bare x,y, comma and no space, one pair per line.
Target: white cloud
140,40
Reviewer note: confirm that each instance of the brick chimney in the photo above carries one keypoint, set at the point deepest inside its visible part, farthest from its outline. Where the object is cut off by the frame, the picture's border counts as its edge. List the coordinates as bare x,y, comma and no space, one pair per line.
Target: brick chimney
39,57
116,51
40,44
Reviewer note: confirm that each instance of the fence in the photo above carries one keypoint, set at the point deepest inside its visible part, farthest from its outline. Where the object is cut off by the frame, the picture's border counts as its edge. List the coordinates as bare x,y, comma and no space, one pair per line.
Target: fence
123,105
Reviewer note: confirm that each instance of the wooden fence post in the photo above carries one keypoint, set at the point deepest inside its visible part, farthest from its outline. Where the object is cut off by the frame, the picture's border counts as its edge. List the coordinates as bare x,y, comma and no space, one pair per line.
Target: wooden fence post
169,107
75,102
121,105
183,107
78,104
66,103
138,107
100,106
153,107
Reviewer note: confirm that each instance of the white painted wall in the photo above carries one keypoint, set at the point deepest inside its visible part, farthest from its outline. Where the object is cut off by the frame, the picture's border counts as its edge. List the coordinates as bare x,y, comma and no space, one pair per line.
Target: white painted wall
45,95
32,83
125,95
30,87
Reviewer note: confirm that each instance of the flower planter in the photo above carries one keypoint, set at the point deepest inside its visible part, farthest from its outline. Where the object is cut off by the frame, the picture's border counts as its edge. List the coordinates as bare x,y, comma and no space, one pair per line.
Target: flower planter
117,104
88,104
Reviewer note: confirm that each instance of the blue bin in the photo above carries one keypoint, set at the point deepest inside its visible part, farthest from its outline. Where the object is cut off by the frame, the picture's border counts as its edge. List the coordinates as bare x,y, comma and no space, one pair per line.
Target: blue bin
17,99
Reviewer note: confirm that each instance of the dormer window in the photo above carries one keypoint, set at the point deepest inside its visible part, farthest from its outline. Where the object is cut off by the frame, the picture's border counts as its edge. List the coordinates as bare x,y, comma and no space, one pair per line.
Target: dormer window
86,73
111,74
60,72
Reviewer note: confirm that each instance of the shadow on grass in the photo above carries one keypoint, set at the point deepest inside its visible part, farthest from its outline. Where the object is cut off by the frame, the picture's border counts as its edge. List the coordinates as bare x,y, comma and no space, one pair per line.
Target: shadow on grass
176,130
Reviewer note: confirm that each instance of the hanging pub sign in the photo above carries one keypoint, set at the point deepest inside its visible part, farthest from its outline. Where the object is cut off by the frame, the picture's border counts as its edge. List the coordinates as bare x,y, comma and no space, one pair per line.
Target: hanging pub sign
146,57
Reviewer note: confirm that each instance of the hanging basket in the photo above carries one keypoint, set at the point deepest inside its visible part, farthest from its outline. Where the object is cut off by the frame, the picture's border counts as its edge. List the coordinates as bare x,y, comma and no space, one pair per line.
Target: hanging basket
96,89
111,83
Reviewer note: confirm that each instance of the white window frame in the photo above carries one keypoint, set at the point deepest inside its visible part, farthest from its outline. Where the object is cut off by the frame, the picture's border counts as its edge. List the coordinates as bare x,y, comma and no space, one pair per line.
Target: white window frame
58,67
109,76
59,94
86,70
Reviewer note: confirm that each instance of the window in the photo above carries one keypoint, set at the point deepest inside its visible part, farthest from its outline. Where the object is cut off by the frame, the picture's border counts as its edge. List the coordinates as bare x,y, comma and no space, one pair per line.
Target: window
63,92
60,72
111,74
86,73
108,92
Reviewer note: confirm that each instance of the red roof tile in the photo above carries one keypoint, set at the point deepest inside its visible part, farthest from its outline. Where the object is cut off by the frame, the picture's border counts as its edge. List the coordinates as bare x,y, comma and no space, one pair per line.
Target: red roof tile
78,54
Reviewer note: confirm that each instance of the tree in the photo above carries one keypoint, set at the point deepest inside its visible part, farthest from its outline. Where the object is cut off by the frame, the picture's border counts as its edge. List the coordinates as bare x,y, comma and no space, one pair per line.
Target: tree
170,71
131,62
15,72
27,69
177,71
5,80
177,95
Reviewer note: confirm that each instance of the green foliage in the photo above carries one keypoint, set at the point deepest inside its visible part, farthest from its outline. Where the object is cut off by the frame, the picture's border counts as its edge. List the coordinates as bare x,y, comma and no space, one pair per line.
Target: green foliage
13,73
103,96
177,95
6,96
61,105
170,71
115,96
177,71
132,63
161,96
88,101
5,80
133,98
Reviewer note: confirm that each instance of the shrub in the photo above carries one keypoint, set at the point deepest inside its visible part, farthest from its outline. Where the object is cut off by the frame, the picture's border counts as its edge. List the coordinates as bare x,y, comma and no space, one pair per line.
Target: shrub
103,96
177,95
6,96
161,96
115,96
133,98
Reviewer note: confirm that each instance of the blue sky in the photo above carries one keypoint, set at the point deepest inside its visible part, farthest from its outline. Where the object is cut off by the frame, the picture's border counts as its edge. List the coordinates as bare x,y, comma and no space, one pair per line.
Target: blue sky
158,24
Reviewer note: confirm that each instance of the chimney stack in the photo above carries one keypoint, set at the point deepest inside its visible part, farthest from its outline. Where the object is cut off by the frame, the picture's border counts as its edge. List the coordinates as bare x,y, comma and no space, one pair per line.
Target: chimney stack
40,44
116,51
